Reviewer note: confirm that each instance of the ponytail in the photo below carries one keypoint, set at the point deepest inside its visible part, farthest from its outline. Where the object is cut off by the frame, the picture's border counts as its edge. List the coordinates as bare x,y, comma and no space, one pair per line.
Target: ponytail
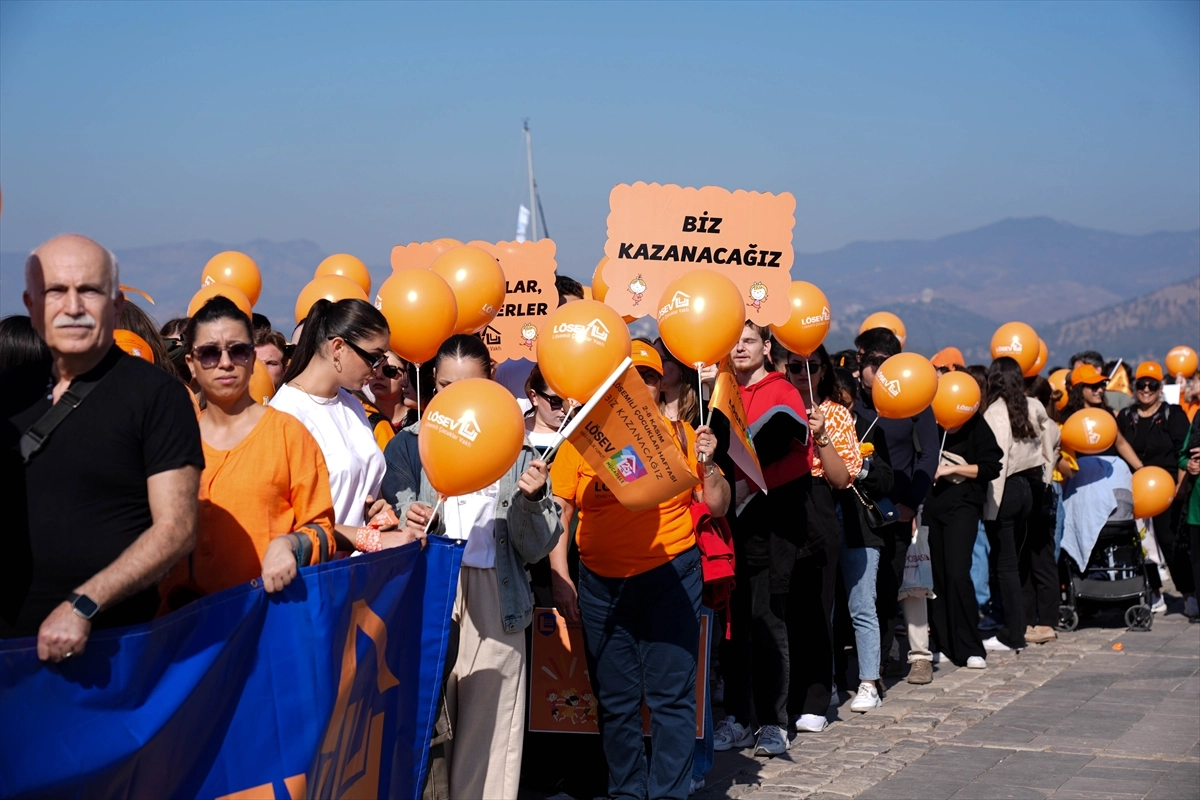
351,320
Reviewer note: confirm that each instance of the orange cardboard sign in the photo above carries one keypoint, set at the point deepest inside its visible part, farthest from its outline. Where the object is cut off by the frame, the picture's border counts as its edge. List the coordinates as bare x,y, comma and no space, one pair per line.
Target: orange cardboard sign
560,687
658,233
530,296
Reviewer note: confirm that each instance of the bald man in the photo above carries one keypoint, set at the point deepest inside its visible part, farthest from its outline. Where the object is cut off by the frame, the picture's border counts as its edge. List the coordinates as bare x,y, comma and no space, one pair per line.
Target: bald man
106,498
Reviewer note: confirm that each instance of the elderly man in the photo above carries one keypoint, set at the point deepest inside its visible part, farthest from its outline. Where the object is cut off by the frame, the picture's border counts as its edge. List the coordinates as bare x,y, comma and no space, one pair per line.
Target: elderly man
102,455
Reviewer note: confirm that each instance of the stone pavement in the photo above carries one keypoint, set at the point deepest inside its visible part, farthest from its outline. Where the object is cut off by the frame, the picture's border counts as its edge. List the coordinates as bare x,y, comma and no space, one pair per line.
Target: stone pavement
1074,718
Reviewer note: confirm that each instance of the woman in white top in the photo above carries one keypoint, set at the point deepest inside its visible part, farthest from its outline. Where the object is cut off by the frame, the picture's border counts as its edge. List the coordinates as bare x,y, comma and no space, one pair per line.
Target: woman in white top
340,350
547,412
1029,442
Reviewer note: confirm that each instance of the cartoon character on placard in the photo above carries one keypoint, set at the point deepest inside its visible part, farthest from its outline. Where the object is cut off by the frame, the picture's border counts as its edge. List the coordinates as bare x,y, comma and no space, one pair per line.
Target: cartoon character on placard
529,335
637,287
758,295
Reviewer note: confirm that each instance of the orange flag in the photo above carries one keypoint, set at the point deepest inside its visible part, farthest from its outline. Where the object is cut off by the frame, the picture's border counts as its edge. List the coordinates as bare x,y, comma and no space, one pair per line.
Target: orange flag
728,401
627,441
1120,382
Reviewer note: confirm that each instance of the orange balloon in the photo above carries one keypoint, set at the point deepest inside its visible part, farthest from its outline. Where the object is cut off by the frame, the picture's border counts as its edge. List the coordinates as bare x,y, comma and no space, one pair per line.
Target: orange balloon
586,343
957,399
262,388
348,267
885,319
599,287
1042,356
420,309
700,317
326,287
1018,341
208,292
133,344
471,434
905,385
478,284
1089,431
808,324
1058,380
236,269
1182,361
1153,492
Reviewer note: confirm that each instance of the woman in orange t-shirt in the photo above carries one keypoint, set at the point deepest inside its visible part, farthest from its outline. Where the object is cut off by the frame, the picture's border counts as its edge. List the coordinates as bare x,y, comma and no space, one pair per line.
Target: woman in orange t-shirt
638,598
265,505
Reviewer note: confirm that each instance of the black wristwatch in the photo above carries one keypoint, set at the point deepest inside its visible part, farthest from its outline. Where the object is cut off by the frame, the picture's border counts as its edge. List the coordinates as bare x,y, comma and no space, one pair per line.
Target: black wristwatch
83,605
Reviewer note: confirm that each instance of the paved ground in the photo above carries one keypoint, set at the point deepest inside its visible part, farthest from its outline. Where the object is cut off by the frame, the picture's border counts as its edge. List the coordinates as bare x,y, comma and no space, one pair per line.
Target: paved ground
1074,718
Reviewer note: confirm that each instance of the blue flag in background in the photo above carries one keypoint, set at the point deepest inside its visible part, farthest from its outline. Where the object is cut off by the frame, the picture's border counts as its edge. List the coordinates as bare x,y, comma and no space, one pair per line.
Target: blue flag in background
327,689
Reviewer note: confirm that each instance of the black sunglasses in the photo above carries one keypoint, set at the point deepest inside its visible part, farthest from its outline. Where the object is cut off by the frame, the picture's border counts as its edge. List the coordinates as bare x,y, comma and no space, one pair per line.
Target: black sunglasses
799,369
555,403
390,371
1151,384
209,355
288,350
872,360
373,361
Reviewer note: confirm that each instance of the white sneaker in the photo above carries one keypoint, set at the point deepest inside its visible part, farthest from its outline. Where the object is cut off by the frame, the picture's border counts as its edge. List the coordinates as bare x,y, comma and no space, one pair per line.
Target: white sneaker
814,723
938,658
1157,604
866,699
976,662
995,644
1190,607
731,734
697,785
772,741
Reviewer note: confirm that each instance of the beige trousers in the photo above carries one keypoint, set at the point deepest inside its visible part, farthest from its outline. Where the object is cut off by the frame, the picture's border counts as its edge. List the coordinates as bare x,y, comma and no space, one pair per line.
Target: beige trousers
916,616
485,694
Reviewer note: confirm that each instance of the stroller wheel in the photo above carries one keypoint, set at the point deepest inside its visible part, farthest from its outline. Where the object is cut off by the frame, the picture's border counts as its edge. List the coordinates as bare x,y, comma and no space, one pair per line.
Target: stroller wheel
1139,617
1068,618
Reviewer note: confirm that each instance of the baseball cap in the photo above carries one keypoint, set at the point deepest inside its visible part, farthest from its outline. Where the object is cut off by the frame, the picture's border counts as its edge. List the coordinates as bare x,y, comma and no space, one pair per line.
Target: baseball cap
1086,374
1149,369
645,355
949,357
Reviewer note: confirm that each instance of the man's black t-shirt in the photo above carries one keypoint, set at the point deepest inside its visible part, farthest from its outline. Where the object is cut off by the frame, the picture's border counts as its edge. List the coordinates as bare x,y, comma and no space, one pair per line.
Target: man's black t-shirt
83,498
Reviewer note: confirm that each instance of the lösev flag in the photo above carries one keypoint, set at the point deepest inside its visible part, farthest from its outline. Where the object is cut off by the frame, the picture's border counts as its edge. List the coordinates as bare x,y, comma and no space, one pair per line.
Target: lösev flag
326,689
727,400
627,441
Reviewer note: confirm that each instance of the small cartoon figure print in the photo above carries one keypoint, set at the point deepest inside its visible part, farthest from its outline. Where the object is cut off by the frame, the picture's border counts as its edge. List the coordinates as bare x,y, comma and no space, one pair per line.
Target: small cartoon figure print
529,335
638,288
758,295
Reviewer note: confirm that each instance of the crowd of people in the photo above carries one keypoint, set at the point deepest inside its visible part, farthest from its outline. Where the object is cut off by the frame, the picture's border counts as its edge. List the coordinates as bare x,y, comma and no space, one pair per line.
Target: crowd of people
180,483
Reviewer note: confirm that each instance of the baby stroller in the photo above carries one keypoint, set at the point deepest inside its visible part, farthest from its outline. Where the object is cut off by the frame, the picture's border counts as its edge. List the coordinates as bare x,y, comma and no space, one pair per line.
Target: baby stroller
1115,573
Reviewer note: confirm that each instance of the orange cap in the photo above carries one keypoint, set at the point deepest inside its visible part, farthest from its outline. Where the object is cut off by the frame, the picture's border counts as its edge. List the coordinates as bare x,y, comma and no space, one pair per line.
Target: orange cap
1087,375
646,356
949,357
1149,369
133,344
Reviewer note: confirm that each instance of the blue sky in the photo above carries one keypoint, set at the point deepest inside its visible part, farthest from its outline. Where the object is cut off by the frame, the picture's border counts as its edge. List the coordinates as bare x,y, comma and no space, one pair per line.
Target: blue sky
360,126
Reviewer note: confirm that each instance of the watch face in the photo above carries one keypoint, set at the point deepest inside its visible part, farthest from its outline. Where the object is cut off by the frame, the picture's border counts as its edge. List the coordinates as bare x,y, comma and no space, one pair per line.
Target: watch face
86,606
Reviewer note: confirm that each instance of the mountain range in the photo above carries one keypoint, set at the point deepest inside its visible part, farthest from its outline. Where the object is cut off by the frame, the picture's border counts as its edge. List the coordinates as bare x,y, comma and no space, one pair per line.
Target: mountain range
1128,295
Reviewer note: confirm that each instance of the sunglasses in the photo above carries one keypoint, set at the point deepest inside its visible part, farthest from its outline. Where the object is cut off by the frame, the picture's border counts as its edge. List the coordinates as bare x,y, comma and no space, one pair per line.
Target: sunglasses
373,361
390,371
209,355
799,369
289,350
1148,384
555,403
873,360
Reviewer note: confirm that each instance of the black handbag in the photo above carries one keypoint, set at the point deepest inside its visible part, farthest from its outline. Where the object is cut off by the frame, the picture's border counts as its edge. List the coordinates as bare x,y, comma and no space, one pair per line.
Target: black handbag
877,512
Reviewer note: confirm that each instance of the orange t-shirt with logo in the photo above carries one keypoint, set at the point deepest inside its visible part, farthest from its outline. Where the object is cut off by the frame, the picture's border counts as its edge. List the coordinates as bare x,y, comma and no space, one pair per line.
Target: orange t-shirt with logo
270,484
615,542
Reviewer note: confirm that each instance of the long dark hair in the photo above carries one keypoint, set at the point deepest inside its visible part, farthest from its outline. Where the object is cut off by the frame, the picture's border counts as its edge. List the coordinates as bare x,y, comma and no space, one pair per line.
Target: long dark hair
216,309
1006,383
1075,401
844,391
20,344
689,397
134,318
462,347
350,320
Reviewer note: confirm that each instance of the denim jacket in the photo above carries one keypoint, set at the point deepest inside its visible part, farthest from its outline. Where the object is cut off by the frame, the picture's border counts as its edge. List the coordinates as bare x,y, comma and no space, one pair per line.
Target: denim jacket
526,530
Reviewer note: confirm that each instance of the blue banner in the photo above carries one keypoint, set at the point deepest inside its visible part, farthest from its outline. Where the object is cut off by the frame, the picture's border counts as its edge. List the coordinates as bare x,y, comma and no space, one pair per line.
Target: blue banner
327,689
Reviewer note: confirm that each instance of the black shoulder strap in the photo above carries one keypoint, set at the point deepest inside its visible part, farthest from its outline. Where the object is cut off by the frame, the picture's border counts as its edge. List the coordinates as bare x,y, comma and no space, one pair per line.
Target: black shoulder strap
35,438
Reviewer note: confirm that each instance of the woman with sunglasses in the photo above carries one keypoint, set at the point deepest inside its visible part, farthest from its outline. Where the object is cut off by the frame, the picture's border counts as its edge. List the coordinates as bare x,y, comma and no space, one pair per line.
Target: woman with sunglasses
679,398
342,347
393,407
545,418
512,523
1156,432
265,507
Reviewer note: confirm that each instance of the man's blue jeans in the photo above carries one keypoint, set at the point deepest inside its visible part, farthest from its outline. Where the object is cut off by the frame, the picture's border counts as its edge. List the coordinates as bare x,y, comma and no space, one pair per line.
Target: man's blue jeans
641,634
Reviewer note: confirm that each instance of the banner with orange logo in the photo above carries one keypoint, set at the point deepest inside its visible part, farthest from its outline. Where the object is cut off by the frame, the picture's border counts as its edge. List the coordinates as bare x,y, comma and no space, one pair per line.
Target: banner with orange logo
727,400
628,442
658,233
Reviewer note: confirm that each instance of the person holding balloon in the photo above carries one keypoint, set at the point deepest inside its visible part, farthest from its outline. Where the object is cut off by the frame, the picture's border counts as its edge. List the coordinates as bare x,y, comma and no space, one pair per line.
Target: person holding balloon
509,521
970,461
1024,554
265,507
342,347
394,405
1086,389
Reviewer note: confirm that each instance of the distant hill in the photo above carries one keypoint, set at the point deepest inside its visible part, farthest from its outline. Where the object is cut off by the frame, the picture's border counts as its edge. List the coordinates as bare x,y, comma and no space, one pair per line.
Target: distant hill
931,323
1144,328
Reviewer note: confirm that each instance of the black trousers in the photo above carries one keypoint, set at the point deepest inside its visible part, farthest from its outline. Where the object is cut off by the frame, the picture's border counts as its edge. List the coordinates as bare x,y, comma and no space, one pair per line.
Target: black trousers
954,612
896,538
1006,536
810,613
1036,565
1194,536
1172,551
754,660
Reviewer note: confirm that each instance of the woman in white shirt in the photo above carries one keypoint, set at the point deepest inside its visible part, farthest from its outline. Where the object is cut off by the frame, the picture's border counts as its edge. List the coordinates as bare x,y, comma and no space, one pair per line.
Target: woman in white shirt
340,350
546,414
